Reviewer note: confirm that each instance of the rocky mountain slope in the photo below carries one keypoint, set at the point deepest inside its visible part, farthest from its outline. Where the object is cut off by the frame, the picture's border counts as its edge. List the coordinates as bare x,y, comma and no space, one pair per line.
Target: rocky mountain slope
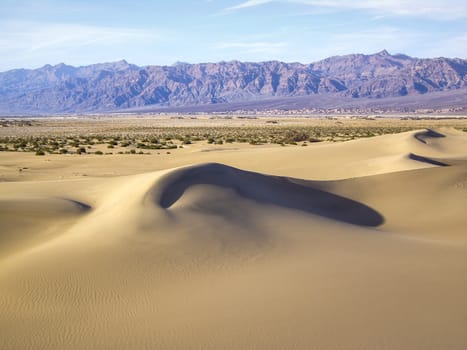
120,85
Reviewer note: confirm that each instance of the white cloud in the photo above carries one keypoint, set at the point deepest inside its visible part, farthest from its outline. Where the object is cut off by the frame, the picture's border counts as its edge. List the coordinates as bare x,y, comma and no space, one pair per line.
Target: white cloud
436,9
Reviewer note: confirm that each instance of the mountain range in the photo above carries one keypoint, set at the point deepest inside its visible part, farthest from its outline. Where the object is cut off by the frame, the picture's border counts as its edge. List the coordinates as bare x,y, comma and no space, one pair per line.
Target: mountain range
357,80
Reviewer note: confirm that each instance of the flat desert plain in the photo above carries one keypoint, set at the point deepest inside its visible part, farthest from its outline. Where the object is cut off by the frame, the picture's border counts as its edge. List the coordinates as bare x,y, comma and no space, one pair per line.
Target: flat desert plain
359,244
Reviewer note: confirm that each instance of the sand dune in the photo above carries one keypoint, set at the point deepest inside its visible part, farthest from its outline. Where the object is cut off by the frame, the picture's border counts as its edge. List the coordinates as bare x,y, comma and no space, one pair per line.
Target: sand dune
29,220
358,245
193,184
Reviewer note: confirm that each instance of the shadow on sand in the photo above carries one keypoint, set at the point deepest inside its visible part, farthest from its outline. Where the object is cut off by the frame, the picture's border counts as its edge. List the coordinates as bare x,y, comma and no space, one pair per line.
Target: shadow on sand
272,190
422,159
423,136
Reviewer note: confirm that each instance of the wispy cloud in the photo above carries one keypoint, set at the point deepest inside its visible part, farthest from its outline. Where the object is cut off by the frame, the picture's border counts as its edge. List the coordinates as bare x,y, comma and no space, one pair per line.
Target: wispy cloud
39,36
248,3
447,9
30,44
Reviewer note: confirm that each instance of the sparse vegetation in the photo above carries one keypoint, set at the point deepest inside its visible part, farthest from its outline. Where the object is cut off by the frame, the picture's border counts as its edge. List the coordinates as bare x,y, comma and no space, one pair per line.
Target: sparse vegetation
134,135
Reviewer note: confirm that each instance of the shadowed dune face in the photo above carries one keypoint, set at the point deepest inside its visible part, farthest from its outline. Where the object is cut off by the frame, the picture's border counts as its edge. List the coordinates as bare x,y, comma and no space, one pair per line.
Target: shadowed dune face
426,160
425,136
270,190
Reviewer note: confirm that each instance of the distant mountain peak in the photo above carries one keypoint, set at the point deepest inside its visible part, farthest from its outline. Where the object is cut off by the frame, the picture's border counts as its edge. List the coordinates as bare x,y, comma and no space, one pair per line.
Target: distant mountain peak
119,85
383,53
179,63
120,64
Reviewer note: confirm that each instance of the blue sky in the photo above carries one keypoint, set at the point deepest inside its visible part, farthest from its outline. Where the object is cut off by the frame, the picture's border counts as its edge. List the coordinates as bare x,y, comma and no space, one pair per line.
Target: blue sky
34,33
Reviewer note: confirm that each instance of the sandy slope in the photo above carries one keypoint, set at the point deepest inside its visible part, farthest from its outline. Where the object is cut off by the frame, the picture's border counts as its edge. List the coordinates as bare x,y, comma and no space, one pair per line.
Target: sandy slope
358,245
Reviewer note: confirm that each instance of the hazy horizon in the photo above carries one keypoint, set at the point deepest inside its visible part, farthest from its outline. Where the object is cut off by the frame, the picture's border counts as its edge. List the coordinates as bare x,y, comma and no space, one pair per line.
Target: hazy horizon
53,64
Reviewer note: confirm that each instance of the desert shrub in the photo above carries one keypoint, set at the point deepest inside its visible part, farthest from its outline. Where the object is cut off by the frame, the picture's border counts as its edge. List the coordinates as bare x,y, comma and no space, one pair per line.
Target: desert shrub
40,152
296,136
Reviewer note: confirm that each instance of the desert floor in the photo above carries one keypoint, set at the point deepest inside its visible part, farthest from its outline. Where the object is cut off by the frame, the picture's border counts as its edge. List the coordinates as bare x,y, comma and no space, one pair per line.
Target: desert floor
349,245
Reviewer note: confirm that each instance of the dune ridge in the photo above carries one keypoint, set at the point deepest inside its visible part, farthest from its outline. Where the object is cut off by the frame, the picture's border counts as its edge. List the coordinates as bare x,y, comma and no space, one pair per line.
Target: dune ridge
269,190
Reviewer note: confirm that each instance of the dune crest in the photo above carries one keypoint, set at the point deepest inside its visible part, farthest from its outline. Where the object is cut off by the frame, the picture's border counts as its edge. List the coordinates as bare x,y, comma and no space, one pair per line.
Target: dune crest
428,134
263,189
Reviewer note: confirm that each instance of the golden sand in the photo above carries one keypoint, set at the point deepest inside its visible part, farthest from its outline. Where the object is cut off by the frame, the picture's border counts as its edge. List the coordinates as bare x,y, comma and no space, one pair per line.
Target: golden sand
355,245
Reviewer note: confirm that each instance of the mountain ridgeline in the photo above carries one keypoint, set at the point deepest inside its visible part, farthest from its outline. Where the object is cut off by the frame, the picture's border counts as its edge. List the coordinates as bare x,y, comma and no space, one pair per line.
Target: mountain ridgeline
120,85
